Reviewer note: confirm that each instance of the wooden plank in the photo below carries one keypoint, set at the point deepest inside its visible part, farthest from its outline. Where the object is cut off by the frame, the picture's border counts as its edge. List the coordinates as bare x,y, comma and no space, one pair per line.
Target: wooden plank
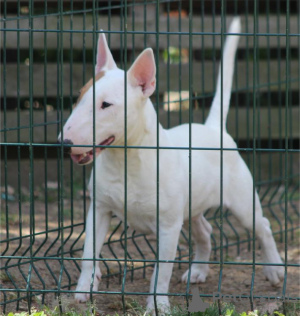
275,24
38,173
268,123
206,7
266,164
203,77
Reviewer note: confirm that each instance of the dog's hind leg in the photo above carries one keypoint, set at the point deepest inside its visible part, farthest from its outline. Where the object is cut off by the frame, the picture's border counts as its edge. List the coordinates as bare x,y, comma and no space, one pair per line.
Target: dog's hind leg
201,230
168,240
241,205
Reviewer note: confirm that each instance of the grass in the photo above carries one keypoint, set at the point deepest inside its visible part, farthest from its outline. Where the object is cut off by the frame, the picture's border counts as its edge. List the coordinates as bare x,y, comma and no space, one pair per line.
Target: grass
133,308
292,309
11,218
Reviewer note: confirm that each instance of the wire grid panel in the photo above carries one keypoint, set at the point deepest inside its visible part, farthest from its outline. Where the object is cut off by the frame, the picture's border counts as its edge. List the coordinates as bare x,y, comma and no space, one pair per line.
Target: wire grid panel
49,51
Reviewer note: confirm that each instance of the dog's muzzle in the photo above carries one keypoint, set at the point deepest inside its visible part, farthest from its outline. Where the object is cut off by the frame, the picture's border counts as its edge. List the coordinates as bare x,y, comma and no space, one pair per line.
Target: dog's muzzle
84,157
67,149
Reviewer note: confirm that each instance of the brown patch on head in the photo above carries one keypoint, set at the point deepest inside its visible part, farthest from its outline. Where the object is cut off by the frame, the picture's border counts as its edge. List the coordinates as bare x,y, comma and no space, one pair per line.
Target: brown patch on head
86,87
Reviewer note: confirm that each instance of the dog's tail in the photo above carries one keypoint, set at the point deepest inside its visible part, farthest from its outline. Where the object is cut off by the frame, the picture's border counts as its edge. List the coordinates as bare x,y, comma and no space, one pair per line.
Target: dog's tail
214,117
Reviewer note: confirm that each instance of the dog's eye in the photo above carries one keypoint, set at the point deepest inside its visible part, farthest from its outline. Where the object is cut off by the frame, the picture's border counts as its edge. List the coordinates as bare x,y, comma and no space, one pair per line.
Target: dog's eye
105,105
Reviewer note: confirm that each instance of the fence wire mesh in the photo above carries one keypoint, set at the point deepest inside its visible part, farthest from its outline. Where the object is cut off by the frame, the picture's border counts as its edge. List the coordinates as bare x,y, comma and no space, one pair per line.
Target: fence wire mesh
48,53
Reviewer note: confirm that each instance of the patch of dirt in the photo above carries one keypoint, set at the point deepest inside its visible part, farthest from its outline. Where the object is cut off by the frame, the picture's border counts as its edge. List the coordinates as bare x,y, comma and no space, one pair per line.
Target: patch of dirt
42,245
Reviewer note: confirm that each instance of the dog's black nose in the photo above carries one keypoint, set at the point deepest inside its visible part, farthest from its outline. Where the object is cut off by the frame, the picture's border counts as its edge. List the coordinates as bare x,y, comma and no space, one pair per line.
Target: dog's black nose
67,149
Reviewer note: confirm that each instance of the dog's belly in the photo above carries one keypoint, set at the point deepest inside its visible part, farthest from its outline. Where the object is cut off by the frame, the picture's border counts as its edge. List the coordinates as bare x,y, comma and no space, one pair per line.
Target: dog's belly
139,218
141,214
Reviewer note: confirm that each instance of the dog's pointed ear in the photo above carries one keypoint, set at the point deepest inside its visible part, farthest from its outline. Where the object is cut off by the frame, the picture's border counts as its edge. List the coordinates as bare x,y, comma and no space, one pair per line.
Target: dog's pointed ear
142,72
104,60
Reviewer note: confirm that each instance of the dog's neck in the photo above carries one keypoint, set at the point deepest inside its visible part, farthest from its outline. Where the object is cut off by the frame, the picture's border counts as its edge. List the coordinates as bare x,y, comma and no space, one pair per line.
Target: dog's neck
148,125
142,134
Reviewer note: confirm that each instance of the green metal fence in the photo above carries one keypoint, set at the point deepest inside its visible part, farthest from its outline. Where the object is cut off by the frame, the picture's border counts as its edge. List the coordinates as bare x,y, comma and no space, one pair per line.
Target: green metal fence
48,53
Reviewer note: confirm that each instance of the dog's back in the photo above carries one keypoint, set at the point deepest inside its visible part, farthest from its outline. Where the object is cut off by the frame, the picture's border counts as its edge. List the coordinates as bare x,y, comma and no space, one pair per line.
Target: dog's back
206,139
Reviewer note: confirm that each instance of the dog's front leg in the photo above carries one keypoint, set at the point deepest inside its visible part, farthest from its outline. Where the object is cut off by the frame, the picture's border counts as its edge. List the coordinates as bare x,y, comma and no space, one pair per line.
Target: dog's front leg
102,220
168,240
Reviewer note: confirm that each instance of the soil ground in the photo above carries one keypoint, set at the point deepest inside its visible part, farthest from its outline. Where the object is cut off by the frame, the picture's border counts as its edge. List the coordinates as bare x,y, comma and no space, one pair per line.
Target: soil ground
59,236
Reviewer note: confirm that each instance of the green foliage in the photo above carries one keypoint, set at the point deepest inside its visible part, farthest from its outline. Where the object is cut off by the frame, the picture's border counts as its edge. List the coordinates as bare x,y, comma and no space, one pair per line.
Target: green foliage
292,308
133,308
227,309
35,313
229,312
11,218
172,54
47,311
254,313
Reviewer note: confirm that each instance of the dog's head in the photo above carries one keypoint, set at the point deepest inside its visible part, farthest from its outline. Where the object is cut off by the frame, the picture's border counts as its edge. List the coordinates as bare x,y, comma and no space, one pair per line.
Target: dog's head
99,115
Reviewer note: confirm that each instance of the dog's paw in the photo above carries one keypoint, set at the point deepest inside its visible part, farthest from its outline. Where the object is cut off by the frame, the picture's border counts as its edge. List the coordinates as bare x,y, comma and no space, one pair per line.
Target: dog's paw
84,285
199,273
163,306
274,274
82,297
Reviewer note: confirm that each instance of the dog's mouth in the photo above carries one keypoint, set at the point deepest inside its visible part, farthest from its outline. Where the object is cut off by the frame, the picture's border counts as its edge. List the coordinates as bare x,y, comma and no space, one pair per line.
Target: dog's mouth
88,157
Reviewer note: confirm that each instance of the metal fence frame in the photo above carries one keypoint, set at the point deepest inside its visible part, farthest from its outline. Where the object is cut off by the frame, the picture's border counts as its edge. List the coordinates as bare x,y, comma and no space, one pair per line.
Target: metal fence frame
287,150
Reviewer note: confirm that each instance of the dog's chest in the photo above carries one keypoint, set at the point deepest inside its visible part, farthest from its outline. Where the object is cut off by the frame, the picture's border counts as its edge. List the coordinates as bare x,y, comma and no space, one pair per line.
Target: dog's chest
137,197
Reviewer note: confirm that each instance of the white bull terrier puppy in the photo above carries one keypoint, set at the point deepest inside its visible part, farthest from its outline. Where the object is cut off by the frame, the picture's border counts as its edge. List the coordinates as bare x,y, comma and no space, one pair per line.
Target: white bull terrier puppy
173,167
